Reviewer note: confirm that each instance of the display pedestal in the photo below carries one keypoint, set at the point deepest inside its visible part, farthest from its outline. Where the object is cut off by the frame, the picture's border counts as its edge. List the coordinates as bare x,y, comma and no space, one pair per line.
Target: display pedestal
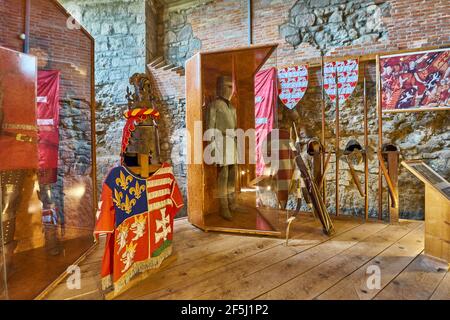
437,224
437,210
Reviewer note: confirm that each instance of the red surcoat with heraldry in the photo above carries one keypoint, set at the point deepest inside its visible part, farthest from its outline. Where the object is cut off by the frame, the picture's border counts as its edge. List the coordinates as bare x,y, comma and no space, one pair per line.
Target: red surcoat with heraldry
137,216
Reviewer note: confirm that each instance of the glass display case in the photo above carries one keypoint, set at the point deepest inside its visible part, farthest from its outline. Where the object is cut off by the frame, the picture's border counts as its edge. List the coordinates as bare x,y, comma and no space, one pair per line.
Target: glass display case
225,189
46,171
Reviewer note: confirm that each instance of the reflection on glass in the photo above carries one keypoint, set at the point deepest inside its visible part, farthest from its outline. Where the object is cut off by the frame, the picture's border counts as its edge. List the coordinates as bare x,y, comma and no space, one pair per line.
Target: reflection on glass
45,173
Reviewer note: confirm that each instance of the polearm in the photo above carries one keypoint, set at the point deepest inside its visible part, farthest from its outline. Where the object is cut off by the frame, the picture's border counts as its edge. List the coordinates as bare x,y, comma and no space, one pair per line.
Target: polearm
380,139
317,201
323,183
366,150
337,152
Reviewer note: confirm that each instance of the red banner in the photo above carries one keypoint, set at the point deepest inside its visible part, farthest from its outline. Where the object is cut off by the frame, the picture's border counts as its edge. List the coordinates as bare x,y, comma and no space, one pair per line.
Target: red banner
293,82
347,73
415,80
265,102
48,123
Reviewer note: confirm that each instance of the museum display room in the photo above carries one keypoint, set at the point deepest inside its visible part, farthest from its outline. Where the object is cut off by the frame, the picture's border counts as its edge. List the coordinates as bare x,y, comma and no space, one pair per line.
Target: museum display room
287,151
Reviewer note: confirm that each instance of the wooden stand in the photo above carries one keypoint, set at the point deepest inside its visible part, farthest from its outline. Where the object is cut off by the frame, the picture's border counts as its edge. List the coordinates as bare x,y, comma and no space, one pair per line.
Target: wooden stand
145,168
437,224
315,150
437,210
337,147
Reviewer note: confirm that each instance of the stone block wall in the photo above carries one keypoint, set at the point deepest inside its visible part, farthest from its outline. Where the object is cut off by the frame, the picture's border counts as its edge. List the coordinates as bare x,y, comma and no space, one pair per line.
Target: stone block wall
176,37
123,44
326,24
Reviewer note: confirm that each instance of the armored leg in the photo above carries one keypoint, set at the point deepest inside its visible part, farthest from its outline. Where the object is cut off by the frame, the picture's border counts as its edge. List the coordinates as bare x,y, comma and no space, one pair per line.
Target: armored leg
231,188
223,185
11,184
49,219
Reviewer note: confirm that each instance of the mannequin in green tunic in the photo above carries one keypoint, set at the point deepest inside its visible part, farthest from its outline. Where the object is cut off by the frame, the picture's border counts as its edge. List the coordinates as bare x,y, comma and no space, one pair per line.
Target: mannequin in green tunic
222,118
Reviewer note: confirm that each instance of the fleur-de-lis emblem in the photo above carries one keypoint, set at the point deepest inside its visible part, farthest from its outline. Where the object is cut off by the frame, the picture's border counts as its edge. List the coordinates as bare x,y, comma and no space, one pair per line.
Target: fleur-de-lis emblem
118,198
137,190
123,181
128,204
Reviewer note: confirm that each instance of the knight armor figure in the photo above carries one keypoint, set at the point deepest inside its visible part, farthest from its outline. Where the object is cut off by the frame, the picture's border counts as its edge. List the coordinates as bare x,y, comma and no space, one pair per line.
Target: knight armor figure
222,118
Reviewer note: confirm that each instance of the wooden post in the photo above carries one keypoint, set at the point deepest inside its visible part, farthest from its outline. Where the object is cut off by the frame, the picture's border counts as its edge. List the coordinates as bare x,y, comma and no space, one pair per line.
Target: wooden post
337,152
366,149
380,139
322,185
143,164
392,159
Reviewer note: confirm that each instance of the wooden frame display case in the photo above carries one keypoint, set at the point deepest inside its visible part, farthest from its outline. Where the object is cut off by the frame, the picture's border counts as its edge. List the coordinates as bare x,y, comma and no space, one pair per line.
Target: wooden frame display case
47,239
202,72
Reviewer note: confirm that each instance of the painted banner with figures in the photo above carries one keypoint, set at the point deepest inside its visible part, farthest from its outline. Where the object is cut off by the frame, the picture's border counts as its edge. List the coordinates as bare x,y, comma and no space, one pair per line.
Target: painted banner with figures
415,81
293,82
347,72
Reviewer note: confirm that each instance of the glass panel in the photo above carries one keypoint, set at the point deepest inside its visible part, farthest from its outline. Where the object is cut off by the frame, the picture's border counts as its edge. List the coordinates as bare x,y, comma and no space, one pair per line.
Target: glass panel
46,167
3,290
233,132
18,146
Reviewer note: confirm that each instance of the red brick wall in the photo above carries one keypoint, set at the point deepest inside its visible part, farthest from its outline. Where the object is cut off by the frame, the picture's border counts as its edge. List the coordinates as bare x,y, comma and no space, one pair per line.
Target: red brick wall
68,50
12,22
412,24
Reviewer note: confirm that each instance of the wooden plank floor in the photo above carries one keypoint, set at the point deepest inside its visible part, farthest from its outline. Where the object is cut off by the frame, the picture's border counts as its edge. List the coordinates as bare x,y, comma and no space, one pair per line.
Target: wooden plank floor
313,266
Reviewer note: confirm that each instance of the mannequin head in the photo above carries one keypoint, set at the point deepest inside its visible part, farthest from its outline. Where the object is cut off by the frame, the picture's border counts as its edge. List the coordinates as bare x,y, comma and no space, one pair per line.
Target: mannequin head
224,87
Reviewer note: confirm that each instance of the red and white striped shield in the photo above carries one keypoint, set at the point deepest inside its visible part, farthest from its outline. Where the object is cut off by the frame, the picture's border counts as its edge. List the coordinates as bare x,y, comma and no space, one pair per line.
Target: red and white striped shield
293,82
347,71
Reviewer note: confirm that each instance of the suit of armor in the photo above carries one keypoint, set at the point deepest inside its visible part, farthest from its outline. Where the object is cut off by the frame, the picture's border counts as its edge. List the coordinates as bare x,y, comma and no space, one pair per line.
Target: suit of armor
11,184
222,118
